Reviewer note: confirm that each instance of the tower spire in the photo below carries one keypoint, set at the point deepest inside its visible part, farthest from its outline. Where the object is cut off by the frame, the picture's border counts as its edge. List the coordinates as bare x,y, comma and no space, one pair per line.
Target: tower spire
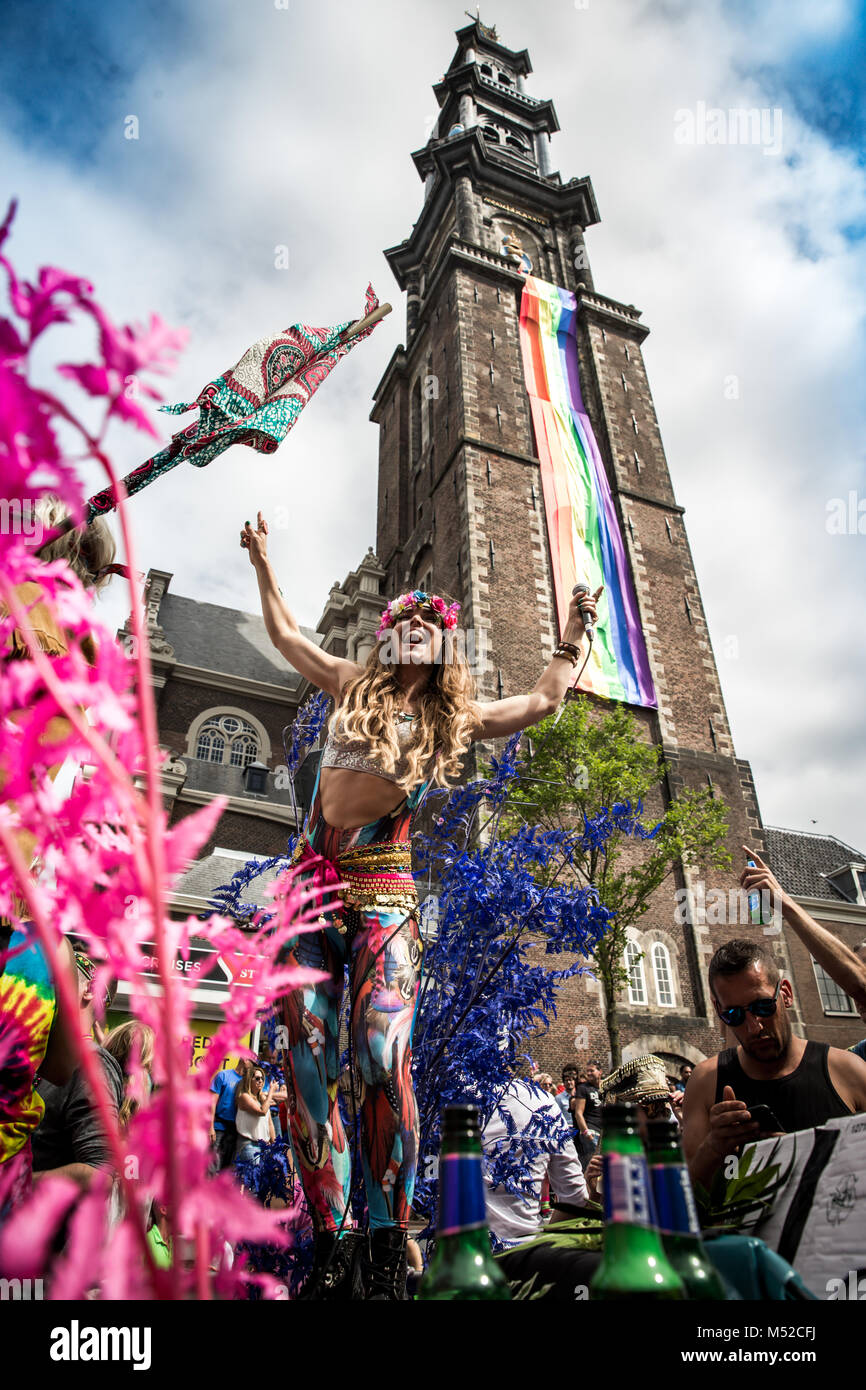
487,31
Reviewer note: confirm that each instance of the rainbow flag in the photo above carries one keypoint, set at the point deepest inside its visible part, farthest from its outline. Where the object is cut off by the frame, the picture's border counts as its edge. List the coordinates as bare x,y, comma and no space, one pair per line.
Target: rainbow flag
586,543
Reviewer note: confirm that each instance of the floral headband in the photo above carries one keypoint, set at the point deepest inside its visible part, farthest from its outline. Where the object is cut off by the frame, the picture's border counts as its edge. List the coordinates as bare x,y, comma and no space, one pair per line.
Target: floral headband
414,599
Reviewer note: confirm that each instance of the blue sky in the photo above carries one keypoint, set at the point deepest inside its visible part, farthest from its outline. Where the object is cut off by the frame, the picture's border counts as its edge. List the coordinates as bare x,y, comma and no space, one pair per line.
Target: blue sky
263,127
824,76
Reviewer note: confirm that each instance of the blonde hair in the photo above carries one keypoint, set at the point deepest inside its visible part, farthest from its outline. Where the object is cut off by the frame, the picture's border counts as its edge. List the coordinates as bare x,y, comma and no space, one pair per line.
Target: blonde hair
86,550
124,1042
447,719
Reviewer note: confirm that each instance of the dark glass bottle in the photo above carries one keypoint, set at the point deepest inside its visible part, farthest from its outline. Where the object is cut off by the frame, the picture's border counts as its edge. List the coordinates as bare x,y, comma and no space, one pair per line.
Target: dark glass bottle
634,1263
462,1265
677,1213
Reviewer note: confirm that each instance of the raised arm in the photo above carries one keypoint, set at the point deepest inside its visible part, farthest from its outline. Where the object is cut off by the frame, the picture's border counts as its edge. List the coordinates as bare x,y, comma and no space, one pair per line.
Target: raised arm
839,961
503,717
329,673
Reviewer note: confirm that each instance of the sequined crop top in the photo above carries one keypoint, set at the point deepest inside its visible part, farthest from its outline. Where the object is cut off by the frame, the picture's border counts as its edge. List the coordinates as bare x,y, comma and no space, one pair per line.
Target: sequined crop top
342,752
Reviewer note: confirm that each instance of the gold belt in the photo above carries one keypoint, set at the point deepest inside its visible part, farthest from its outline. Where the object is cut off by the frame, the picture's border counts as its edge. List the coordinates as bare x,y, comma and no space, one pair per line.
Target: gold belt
378,875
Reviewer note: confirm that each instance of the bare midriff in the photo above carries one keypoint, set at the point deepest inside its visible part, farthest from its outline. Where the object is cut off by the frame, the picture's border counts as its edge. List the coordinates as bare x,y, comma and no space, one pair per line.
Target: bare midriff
350,799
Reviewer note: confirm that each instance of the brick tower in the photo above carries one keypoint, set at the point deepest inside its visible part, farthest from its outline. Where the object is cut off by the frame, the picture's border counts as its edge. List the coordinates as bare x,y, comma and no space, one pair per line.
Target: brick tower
460,503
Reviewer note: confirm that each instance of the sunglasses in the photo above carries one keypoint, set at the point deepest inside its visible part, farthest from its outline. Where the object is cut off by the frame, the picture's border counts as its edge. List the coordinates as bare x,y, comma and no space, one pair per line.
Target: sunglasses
427,611
759,1008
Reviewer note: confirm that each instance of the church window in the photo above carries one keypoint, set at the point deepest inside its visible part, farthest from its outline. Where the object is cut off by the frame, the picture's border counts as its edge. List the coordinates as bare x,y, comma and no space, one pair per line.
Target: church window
833,999
634,968
227,739
243,751
210,746
663,975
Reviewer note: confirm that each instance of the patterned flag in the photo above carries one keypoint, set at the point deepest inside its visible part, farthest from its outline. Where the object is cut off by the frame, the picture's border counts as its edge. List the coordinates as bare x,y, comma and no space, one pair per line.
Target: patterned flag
256,402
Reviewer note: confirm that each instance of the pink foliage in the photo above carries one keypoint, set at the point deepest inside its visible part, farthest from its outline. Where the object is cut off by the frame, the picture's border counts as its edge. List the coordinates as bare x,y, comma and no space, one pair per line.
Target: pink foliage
105,858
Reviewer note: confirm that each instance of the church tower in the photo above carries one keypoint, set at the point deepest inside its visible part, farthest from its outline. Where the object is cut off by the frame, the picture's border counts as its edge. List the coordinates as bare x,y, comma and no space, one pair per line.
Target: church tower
460,505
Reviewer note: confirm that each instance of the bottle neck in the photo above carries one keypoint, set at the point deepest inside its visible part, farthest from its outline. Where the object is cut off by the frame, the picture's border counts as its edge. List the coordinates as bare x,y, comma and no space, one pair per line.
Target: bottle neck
626,1186
676,1209
462,1206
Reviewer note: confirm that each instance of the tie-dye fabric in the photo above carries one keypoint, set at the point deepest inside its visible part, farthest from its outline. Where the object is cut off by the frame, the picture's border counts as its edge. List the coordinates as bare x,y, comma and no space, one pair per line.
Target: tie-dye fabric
27,1008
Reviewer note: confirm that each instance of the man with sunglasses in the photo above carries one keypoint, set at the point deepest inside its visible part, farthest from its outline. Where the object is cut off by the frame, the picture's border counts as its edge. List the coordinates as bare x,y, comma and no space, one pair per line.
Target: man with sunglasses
802,1083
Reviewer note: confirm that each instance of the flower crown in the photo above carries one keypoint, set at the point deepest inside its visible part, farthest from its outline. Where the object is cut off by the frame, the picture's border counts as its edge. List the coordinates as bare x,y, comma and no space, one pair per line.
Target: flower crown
398,606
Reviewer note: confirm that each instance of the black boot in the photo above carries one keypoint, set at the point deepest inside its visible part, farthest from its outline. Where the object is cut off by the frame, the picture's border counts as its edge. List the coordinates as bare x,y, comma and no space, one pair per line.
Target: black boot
335,1276
386,1272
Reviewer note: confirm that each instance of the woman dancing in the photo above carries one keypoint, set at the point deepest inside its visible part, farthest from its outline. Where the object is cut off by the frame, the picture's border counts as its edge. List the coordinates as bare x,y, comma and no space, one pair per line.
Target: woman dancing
402,722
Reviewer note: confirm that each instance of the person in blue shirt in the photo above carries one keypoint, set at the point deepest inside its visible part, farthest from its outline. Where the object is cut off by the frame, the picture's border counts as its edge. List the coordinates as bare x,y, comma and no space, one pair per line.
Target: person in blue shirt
223,1129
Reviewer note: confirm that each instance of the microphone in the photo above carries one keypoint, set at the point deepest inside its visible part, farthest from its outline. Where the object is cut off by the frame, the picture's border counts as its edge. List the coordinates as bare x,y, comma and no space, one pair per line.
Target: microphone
588,620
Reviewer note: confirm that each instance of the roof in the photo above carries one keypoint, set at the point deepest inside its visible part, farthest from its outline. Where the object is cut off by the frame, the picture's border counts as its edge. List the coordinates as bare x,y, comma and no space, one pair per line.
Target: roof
226,640
799,858
203,877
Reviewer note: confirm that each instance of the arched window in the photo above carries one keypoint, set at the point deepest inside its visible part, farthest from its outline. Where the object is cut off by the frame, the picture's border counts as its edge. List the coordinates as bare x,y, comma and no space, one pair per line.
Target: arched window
505,79
487,69
210,746
663,975
516,143
227,739
636,981
490,133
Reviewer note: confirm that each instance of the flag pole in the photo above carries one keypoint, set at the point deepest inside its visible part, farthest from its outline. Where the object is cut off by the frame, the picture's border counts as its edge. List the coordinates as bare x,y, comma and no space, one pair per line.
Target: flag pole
367,322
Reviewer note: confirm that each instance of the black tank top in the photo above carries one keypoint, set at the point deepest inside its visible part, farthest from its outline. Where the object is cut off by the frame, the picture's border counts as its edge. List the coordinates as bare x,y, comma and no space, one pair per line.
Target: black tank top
805,1098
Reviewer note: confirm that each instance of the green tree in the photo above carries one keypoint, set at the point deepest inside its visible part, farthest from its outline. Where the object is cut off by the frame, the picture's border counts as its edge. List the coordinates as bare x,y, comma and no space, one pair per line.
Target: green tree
583,764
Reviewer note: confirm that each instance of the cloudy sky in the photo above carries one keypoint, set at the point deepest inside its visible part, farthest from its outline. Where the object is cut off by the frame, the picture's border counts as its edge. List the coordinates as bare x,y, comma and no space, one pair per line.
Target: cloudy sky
274,123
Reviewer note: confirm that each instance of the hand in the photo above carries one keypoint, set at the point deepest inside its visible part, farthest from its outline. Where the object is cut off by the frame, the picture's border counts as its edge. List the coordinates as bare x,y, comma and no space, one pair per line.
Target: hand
676,1099
592,1173
575,627
255,541
757,879
212,1135
731,1124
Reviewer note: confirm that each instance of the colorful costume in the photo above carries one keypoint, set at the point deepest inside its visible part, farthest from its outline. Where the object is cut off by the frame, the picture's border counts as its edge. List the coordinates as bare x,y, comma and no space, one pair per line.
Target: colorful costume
376,931
27,993
27,1008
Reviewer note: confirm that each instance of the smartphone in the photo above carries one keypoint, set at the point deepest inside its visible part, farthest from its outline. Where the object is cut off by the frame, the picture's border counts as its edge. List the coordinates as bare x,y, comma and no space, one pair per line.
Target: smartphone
766,1121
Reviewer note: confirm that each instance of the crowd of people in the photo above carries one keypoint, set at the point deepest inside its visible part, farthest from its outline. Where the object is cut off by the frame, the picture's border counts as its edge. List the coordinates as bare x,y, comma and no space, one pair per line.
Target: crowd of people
412,713
549,1129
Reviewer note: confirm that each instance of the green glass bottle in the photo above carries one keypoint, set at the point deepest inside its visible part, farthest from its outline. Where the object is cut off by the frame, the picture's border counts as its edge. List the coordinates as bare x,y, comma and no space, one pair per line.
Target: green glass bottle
677,1213
462,1265
634,1263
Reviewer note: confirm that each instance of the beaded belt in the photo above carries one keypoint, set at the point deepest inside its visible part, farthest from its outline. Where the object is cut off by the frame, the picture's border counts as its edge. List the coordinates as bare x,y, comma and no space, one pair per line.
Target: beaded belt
378,875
